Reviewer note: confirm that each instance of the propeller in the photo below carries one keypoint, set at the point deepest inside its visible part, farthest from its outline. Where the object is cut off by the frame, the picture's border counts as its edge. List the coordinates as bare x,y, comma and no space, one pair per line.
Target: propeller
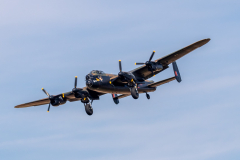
121,73
141,63
49,96
126,75
120,65
45,92
79,93
131,80
75,84
48,107
148,63
152,56
75,90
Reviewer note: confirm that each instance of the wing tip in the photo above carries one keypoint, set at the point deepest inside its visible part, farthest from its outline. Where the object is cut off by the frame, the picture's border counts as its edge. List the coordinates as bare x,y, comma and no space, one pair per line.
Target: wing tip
19,106
205,40
201,42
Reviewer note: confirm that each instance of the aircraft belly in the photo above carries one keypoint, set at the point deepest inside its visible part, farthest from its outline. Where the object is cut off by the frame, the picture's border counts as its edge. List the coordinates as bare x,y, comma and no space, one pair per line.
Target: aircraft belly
115,90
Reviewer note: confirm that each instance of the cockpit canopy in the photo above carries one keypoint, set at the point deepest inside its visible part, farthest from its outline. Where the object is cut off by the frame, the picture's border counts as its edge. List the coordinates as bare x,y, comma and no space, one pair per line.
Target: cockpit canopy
96,72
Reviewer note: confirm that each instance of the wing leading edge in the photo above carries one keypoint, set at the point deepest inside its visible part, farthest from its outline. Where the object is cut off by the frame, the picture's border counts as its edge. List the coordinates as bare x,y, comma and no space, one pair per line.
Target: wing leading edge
68,95
34,103
182,52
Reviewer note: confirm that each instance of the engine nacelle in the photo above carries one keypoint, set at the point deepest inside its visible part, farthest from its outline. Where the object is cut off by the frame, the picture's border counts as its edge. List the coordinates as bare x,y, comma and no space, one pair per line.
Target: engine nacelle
157,67
56,101
127,77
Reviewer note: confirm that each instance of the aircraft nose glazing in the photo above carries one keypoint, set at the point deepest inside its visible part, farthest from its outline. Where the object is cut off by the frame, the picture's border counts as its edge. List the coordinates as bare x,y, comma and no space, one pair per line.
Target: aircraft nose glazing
89,83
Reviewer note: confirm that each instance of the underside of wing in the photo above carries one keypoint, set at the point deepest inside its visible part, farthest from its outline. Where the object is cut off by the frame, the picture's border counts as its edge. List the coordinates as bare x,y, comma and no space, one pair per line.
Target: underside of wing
69,96
182,52
93,95
142,73
34,103
74,99
161,82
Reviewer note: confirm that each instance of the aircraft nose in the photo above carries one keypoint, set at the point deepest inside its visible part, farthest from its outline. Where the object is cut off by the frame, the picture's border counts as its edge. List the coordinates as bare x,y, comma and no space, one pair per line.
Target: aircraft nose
93,83
89,83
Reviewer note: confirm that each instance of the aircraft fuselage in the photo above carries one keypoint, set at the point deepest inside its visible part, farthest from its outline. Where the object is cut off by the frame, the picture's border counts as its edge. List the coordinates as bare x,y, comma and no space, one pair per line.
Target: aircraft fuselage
102,83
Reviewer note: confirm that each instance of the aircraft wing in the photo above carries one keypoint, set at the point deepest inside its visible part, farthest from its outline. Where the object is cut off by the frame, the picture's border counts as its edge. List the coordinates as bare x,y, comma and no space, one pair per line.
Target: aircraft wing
34,103
143,72
68,95
182,52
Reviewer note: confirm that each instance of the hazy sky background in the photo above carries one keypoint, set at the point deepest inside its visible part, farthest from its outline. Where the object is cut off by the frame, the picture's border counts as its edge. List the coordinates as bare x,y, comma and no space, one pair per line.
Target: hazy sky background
46,43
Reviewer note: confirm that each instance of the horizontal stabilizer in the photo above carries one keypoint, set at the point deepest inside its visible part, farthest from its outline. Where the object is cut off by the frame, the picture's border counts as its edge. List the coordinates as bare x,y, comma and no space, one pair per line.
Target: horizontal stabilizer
161,82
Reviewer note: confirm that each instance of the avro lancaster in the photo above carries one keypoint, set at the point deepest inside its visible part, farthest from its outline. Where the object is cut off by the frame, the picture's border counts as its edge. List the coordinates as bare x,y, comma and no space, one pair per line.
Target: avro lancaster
123,84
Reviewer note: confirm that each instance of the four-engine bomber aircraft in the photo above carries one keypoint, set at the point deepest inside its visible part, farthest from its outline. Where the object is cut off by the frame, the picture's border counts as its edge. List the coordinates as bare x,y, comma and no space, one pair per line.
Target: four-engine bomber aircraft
125,83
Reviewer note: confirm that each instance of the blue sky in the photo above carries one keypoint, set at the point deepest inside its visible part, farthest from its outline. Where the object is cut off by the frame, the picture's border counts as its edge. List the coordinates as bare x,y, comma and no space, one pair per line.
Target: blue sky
48,43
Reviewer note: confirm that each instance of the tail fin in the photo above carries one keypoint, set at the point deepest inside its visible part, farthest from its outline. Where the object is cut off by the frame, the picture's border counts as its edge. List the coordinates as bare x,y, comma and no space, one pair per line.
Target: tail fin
115,98
176,72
